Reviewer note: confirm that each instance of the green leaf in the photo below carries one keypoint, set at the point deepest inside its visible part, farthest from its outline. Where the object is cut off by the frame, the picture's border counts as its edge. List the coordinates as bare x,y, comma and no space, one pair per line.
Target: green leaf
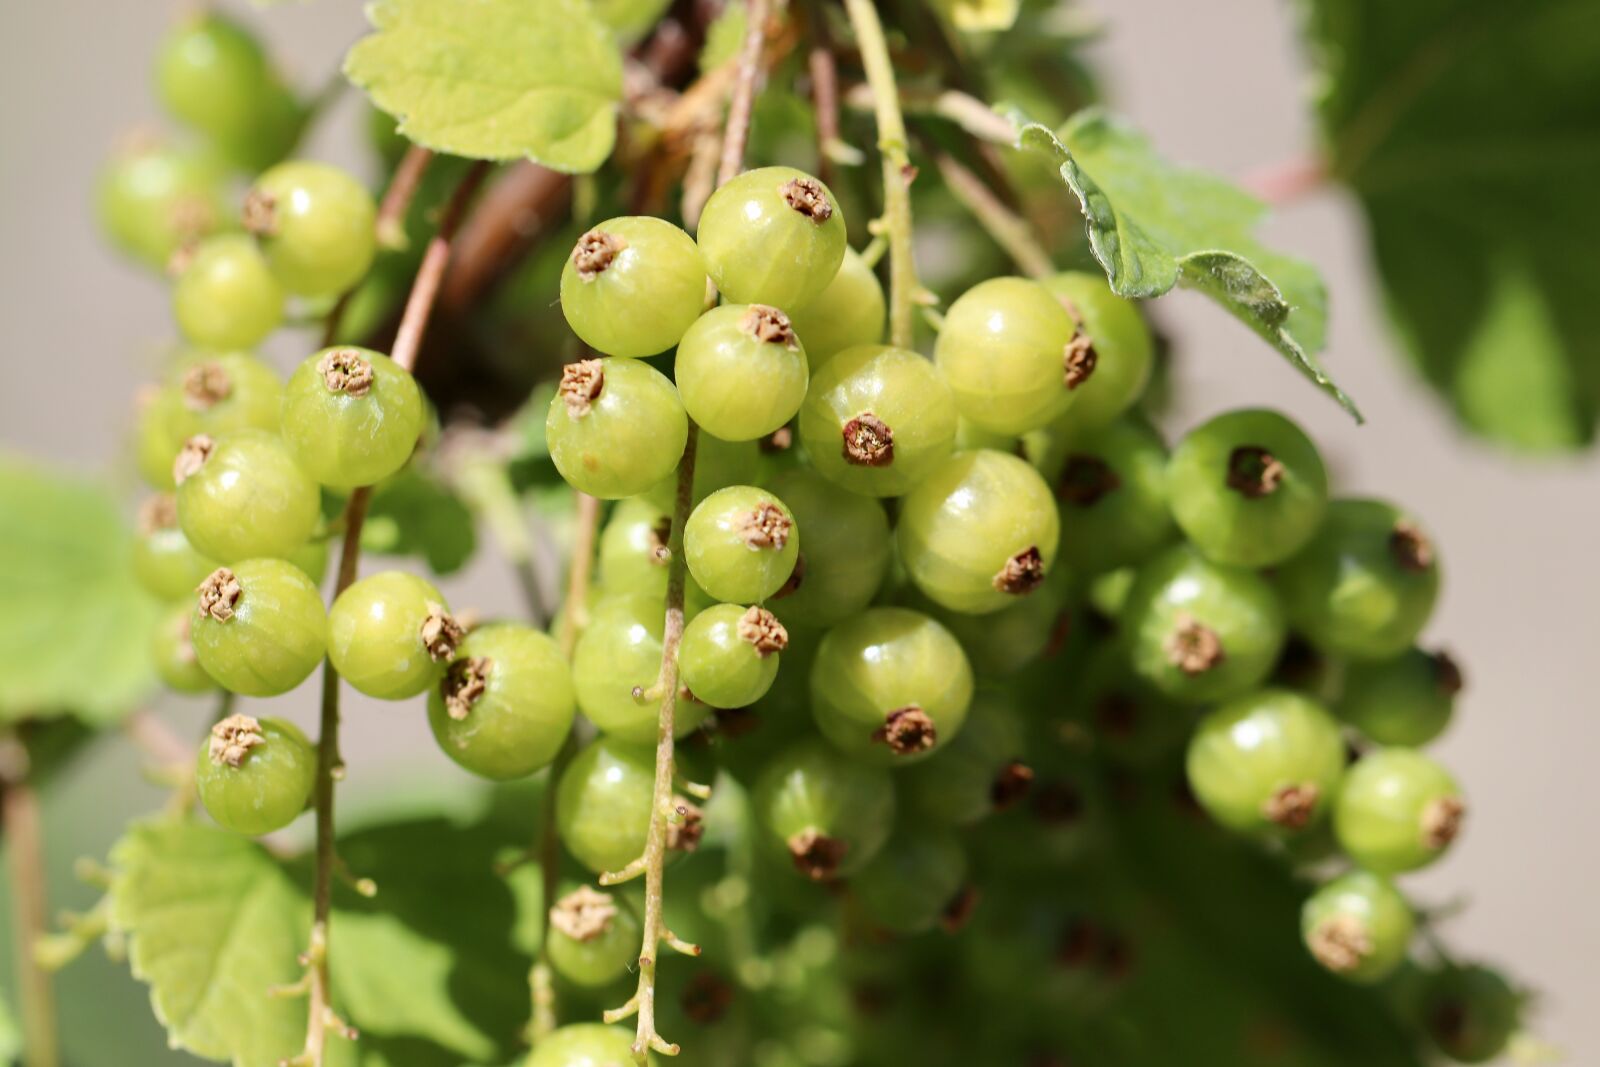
10,1034
74,624
495,79
212,924
1469,130
1153,225
413,514
980,16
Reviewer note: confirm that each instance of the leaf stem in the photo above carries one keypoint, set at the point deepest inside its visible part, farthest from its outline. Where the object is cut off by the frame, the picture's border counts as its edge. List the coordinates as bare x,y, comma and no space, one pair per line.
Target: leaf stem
1010,231
397,198
897,169
824,91
737,131
19,816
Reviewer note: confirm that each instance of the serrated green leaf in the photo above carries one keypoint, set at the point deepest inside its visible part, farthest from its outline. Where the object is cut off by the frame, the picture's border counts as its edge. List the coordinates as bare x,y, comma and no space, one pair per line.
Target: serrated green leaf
212,923
413,514
74,624
1153,225
495,79
1470,132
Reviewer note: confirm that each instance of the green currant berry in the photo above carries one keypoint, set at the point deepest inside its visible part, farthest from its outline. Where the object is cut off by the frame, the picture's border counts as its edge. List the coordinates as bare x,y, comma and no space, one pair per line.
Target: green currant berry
1267,763
255,775
156,441
979,531
317,226
633,555
729,656
846,554
916,881
1012,355
153,200
1003,642
1406,701
1131,724
616,427
505,705
1365,586
772,236
1247,488
617,660
1397,811
849,312
222,393
1470,1013
877,419
831,814
390,635
977,774
1199,631
173,652
1358,926
274,130
594,937
890,686
351,416
260,628
741,371
741,544
585,1045
225,297
1112,488
210,72
1123,350
163,560
632,286
242,496
603,803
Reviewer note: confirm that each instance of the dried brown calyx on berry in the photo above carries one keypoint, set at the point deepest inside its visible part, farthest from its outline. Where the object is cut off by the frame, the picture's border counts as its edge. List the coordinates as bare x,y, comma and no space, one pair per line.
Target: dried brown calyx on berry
816,855
1078,360
583,914
1193,647
1022,573
776,442
1292,806
764,526
205,385
581,385
868,441
344,370
260,214
1254,472
158,512
660,536
958,912
1340,943
761,628
192,456
464,682
706,998
807,196
907,731
594,252
441,633
1441,821
219,594
1410,547
232,739
768,325
1085,480
687,826
1011,783
1447,674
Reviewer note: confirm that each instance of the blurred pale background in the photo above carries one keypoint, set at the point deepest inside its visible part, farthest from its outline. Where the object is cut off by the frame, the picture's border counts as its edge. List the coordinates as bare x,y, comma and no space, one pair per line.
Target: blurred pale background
1219,85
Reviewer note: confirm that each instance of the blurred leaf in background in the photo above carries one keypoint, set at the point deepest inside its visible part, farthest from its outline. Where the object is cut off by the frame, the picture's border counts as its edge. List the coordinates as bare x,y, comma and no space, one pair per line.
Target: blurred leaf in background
1470,132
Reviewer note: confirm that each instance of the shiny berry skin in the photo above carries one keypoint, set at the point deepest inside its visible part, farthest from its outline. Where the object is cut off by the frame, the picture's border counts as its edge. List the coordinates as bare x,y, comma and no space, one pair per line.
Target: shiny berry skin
1112,485
585,1045
729,655
1006,350
830,815
877,419
1406,701
846,553
243,496
1247,488
351,416
217,394
615,427
1470,1013
210,73
226,297
260,628
163,560
849,312
741,371
890,686
982,771
255,776
1397,811
632,556
774,235
603,803
1199,631
979,531
316,225
391,634
619,652
505,704
1366,584
1358,926
1124,352
594,937
173,652
1267,763
153,200
914,881
633,285
741,544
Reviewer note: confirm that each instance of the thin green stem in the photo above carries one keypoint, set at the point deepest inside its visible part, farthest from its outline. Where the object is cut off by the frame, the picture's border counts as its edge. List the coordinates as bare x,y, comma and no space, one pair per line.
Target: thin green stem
1010,231
19,815
897,169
